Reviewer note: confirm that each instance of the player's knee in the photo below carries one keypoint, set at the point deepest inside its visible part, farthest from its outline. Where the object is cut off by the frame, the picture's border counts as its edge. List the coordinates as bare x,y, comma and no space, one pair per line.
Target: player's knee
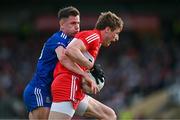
111,115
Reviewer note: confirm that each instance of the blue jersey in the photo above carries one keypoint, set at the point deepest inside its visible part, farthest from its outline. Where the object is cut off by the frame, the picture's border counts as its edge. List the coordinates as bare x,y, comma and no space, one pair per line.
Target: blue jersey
47,61
37,92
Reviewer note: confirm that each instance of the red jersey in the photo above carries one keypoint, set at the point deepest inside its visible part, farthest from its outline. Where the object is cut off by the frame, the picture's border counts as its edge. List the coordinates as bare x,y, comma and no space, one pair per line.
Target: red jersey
66,85
92,40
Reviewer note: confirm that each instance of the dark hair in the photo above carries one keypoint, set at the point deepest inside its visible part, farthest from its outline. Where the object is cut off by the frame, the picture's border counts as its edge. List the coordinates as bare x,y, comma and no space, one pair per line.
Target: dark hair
108,19
68,11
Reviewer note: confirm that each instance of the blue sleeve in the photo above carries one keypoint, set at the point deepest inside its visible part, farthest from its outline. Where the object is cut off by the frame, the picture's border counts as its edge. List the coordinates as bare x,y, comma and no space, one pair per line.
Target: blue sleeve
54,42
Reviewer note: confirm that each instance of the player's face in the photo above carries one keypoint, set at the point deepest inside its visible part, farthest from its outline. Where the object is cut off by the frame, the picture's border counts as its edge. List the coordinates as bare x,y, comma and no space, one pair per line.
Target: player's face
70,25
111,36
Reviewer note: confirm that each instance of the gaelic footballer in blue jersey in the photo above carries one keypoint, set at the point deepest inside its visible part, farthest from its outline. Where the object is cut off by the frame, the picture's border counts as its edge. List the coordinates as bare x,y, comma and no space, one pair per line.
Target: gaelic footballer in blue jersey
39,86
37,97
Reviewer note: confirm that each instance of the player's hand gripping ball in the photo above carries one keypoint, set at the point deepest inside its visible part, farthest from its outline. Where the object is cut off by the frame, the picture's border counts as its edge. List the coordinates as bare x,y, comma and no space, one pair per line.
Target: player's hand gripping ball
97,75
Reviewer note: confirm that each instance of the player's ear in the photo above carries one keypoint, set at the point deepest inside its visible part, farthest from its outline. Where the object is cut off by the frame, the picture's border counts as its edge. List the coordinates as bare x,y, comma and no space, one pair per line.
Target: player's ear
107,29
61,23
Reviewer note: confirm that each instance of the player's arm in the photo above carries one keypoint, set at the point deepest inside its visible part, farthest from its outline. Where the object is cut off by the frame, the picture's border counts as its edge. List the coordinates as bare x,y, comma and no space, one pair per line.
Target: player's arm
66,62
72,66
74,51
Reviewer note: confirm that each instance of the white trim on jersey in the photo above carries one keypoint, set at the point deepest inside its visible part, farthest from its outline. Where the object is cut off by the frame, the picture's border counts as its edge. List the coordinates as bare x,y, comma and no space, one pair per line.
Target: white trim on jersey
92,37
38,95
63,35
73,88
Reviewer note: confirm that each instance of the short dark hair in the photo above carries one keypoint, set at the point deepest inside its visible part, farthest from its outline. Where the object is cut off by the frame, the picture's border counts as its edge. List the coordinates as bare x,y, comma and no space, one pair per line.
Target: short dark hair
68,11
108,19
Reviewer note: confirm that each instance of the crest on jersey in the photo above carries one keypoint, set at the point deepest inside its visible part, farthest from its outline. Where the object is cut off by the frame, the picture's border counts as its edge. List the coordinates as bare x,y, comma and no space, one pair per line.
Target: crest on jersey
48,100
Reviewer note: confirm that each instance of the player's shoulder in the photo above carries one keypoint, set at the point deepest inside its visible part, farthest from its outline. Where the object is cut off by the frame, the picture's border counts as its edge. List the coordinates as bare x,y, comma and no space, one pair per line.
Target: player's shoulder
62,35
88,34
58,36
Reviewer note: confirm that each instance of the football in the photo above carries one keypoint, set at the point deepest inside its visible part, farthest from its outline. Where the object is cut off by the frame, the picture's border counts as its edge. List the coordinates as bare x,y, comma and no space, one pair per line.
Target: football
99,83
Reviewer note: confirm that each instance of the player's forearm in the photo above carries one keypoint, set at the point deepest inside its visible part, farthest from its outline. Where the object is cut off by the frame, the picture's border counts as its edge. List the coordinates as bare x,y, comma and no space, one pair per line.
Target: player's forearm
66,62
78,57
72,66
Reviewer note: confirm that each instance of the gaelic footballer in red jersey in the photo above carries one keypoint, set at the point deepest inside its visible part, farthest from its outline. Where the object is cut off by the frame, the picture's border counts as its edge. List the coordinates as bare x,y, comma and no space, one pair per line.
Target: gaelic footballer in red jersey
67,93
92,41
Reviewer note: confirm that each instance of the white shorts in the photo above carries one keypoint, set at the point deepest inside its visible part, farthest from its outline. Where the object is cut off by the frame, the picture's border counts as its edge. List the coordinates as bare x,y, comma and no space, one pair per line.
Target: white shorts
67,108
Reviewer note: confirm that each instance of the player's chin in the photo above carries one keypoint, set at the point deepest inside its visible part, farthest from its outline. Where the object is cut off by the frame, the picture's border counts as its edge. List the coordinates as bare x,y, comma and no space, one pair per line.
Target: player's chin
108,44
76,32
73,34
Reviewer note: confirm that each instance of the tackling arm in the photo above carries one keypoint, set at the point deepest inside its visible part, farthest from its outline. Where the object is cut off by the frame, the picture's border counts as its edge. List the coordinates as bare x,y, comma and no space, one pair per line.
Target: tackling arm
66,62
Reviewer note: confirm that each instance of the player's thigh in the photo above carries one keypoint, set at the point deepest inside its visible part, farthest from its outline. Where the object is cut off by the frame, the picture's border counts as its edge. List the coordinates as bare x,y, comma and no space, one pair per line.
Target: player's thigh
35,98
82,107
98,110
37,102
39,113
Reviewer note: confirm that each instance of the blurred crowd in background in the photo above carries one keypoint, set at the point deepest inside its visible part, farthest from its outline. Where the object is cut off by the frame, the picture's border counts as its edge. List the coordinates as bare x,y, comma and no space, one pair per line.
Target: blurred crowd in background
146,58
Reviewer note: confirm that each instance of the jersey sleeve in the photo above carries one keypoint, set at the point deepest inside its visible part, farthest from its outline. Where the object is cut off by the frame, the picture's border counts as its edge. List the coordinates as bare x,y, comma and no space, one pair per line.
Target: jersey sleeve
60,42
90,40
55,42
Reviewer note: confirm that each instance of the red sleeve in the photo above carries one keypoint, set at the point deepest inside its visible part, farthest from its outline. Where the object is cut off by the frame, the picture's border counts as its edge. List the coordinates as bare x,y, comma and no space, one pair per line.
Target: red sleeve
89,38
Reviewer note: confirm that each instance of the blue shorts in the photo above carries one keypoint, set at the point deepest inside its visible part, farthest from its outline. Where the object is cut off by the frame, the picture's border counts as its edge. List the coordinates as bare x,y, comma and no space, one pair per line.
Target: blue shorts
35,97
